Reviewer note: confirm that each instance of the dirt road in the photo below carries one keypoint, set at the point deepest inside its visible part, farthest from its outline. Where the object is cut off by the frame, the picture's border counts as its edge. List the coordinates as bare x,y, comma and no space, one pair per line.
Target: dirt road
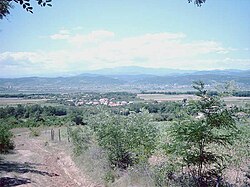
36,162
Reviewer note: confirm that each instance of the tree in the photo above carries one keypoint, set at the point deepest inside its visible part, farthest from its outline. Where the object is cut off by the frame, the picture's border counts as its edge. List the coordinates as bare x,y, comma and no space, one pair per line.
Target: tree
197,2
6,5
127,140
195,139
78,120
4,8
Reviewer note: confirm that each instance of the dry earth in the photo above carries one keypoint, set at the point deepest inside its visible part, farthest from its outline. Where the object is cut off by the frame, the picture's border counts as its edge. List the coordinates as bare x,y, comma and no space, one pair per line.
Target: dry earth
37,162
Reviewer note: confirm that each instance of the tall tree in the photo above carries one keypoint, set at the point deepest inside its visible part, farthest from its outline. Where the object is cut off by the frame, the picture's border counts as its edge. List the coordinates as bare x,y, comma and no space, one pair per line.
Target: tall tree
194,140
6,5
197,2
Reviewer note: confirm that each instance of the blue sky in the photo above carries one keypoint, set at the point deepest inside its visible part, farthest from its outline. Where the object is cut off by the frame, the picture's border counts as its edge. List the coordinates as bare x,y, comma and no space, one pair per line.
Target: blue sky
93,34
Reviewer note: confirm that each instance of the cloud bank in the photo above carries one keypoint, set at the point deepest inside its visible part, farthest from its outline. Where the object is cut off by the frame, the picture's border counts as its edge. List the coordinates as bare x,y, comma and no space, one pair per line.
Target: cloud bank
102,49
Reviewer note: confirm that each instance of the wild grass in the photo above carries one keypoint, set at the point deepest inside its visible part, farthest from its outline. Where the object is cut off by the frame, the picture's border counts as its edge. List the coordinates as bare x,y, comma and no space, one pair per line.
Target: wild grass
35,132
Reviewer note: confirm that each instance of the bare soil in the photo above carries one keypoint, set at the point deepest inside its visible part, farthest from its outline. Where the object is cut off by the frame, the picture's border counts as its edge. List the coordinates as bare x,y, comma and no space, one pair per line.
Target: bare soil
37,162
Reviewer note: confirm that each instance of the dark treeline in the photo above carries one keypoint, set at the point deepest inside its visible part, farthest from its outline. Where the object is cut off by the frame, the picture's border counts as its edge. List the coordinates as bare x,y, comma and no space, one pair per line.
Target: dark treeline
169,93
163,111
32,116
22,95
22,111
242,94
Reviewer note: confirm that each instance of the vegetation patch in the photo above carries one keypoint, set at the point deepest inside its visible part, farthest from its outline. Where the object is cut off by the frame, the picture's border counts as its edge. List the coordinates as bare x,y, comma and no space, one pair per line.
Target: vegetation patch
6,142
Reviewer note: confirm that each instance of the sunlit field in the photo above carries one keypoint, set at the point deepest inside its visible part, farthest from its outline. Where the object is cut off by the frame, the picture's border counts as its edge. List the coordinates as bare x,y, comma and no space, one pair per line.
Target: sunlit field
16,101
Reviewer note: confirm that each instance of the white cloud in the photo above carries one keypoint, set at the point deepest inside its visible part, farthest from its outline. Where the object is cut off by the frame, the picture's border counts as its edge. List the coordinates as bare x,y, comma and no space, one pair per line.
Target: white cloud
233,63
79,39
61,35
19,56
100,49
93,37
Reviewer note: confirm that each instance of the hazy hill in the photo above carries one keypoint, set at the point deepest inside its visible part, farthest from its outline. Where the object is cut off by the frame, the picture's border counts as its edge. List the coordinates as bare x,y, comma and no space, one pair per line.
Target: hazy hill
136,70
129,78
208,78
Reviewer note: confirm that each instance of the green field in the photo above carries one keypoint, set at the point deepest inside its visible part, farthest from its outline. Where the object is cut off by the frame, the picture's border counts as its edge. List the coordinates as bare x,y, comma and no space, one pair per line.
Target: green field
240,101
163,97
16,101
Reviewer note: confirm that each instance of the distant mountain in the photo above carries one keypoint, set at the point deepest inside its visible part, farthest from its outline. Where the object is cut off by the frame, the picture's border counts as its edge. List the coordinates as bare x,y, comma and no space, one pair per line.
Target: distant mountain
208,78
135,79
136,70
224,72
58,84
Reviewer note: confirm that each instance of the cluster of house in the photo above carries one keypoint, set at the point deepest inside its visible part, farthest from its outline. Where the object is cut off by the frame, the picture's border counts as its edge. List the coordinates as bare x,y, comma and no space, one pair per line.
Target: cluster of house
102,101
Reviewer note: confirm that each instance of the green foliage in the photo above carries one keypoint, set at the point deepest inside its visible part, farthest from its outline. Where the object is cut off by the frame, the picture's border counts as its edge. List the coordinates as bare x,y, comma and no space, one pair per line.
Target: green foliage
5,140
78,120
81,138
28,111
197,2
6,5
31,116
163,173
109,177
193,139
35,132
127,140
165,111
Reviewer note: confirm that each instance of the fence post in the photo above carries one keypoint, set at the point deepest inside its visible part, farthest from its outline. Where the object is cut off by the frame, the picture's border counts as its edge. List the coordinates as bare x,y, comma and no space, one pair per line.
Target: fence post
68,134
59,135
52,134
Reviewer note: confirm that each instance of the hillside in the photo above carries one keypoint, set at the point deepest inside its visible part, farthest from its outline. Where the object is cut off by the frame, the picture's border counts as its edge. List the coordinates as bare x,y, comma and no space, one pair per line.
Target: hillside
134,80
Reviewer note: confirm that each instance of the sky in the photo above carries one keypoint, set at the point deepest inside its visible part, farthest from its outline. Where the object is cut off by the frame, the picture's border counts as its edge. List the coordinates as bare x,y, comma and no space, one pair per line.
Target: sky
77,36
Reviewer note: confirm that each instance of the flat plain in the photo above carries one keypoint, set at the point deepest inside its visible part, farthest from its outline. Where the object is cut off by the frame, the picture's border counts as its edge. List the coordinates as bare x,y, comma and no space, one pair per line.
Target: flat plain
163,97
16,101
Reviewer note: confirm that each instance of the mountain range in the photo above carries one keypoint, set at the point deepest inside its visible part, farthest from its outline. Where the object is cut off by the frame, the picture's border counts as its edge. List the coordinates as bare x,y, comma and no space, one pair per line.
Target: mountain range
131,78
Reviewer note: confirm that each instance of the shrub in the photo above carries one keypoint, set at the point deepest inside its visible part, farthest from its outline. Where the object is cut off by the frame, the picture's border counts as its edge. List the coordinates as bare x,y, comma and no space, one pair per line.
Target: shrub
35,132
81,138
127,140
6,142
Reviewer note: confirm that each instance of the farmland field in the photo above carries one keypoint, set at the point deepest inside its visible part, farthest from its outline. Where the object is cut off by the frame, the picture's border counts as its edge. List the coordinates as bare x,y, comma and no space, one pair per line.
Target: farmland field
237,100
164,97
16,101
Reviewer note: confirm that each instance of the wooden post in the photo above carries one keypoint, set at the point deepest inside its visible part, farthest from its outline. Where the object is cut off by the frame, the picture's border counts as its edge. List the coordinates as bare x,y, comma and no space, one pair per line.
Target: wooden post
52,134
59,135
68,134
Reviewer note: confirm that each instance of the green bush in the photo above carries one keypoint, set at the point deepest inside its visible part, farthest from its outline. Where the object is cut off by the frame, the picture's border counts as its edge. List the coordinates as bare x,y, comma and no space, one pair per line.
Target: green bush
128,140
81,138
6,142
35,132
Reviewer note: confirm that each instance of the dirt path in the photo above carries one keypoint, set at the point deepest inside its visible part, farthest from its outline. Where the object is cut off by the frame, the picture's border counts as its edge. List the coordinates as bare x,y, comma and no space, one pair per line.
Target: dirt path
36,162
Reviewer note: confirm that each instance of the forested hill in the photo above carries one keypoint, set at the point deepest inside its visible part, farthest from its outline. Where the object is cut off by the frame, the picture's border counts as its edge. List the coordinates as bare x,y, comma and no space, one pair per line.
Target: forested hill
130,81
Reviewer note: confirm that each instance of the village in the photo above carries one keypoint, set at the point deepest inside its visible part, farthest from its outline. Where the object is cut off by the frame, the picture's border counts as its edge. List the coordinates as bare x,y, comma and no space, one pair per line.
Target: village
103,101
